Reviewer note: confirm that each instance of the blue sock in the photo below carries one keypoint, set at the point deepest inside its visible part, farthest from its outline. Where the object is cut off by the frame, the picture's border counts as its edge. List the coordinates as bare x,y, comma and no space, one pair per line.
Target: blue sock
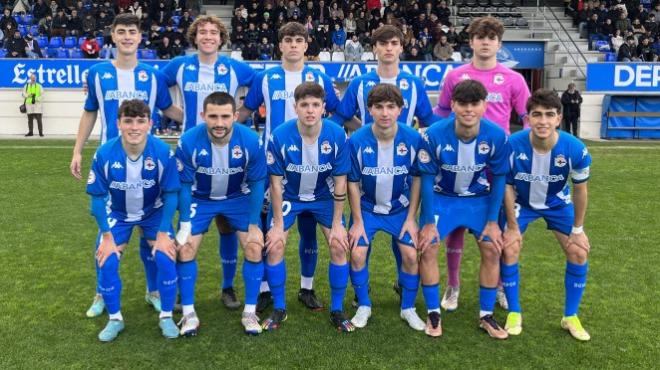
187,272
409,286
167,281
575,280
397,256
228,250
253,272
110,284
511,283
277,281
360,281
307,245
431,296
150,268
338,277
487,298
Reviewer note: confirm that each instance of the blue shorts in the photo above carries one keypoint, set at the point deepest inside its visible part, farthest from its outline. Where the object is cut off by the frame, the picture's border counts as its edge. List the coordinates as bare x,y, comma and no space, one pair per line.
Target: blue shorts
235,210
122,230
558,219
391,224
321,210
453,212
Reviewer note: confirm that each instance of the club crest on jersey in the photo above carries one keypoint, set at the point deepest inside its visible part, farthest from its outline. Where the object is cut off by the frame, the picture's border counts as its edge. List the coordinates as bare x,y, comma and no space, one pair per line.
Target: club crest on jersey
498,79
142,76
326,148
179,165
149,164
403,84
484,148
269,157
91,178
402,149
309,77
560,160
236,152
222,69
423,156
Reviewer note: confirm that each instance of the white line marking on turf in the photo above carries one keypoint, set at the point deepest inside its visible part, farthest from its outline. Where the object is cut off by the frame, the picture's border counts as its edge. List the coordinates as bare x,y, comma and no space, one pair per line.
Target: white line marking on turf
35,147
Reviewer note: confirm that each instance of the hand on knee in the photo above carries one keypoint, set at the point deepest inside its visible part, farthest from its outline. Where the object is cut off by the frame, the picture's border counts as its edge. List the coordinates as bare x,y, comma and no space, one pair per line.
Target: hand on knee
187,253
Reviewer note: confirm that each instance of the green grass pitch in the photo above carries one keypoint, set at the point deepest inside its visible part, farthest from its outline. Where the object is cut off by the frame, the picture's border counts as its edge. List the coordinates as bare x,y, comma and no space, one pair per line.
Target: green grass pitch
46,259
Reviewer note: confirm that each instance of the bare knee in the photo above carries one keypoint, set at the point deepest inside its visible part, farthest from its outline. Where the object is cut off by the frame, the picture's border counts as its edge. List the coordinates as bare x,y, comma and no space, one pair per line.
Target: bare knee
187,252
358,258
511,253
576,255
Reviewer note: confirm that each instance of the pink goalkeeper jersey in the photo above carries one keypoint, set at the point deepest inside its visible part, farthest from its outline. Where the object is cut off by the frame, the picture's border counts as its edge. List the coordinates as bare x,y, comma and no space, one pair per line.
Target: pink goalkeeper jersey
507,90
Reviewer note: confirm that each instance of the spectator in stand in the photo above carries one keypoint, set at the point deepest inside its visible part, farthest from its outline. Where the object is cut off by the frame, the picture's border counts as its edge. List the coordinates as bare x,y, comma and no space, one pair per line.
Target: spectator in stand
254,14
452,36
645,51
53,7
265,49
46,25
413,44
571,101
185,21
239,19
90,47
338,37
309,23
268,33
365,40
415,55
59,25
324,38
361,23
40,10
444,13
593,30
627,51
442,50
280,10
136,9
15,45
607,27
74,25
616,41
154,37
622,23
322,14
640,13
252,34
651,25
251,51
238,40
313,49
335,10
656,11
177,48
426,49
463,43
89,25
163,50
162,14
637,28
353,49
373,7
8,23
656,46
375,22
308,10
32,49
350,25
292,10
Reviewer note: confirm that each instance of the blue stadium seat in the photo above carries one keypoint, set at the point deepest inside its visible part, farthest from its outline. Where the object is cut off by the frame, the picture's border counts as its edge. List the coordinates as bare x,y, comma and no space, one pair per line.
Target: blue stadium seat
62,54
23,29
81,39
70,42
75,54
17,18
3,53
52,52
55,42
176,19
27,19
100,40
610,57
602,45
104,53
34,30
42,41
147,54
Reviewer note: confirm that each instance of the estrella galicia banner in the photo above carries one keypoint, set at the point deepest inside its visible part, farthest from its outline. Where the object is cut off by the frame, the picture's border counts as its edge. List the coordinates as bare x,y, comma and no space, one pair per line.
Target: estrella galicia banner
633,78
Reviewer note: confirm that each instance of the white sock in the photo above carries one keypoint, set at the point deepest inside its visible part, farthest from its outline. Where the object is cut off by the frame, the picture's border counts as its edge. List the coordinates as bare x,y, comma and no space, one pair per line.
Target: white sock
116,316
264,287
165,314
188,309
411,309
307,282
484,313
250,308
434,310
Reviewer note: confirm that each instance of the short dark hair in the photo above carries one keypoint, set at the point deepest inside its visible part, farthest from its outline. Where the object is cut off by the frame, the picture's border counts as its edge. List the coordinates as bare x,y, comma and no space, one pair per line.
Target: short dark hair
220,98
125,19
545,98
469,91
292,29
307,89
385,33
384,93
134,108
486,27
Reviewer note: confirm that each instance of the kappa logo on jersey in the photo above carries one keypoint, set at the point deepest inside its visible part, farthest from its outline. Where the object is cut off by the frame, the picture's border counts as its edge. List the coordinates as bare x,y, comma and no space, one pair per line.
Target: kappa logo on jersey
142,76
203,152
236,152
403,84
309,77
498,79
368,150
522,157
107,76
117,166
448,148
560,161
402,149
91,178
191,67
179,165
326,148
292,148
484,148
585,152
269,157
149,164
371,84
275,77
465,76
424,156
222,69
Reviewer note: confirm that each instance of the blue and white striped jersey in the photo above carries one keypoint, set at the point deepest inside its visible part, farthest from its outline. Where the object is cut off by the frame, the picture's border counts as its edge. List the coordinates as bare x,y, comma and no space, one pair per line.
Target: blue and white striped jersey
541,180
415,100
384,171
460,167
135,186
108,86
220,172
196,81
308,168
274,87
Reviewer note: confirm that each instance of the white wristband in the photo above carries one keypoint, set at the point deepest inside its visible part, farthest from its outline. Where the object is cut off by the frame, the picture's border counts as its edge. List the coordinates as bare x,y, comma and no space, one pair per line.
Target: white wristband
184,233
577,230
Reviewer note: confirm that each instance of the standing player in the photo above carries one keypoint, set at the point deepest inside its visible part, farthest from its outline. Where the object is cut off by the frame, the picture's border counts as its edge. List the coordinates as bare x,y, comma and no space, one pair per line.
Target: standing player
197,76
454,164
507,91
387,42
139,174
383,192
542,160
108,85
307,164
223,170
275,87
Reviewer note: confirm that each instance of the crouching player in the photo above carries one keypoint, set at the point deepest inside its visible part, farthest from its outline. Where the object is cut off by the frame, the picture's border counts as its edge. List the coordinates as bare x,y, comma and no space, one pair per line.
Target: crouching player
139,173
542,161
308,163
458,152
223,170
383,192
